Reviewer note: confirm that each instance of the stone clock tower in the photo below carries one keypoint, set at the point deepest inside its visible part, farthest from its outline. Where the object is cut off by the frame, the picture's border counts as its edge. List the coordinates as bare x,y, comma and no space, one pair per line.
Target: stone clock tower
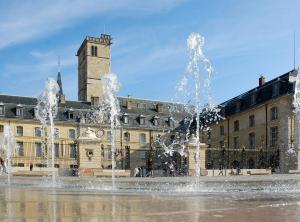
93,64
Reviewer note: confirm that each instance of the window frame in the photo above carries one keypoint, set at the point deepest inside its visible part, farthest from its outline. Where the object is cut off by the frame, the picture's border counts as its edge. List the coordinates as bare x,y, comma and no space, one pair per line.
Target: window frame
143,138
252,140
2,110
236,126
35,131
274,113
18,132
72,130
252,120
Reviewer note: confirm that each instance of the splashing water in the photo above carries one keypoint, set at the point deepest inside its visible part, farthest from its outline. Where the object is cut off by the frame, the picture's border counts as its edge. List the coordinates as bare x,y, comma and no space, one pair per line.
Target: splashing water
195,43
111,86
7,148
46,111
108,111
296,103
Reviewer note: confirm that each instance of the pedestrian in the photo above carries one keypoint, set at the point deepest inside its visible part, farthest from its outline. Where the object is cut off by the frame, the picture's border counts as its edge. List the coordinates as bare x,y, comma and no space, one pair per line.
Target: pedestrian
2,164
238,171
150,168
221,170
136,172
31,166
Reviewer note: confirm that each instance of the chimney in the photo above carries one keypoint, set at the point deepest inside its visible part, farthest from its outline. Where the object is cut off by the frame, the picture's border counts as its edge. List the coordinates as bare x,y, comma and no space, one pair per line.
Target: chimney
159,108
129,102
261,80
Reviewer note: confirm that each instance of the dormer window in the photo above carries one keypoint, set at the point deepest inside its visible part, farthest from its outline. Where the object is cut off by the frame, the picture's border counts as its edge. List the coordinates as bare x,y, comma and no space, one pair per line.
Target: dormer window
275,89
142,120
171,122
2,109
19,111
238,106
125,118
253,99
71,114
155,120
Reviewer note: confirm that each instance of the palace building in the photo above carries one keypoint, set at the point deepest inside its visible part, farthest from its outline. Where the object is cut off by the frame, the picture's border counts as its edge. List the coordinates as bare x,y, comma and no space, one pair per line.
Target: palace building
80,143
258,129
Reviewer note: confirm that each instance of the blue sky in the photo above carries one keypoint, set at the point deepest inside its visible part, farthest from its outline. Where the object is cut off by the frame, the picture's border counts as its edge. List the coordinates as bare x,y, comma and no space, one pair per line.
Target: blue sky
243,39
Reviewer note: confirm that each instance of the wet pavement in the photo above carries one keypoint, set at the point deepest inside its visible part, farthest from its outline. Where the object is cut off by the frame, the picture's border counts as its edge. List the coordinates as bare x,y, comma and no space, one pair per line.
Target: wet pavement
25,203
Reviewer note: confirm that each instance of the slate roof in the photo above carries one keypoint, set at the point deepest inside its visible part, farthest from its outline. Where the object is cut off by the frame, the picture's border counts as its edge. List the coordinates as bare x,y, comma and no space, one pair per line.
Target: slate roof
148,110
262,94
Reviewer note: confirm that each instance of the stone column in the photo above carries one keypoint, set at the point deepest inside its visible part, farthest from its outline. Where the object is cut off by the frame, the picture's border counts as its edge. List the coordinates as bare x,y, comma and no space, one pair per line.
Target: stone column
89,153
192,158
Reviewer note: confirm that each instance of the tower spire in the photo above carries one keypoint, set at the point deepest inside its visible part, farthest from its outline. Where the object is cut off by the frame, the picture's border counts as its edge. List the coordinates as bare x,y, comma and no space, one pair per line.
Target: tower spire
61,95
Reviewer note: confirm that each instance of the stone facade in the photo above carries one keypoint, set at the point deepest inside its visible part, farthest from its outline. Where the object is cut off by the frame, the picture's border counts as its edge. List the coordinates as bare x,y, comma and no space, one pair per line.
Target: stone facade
257,130
93,64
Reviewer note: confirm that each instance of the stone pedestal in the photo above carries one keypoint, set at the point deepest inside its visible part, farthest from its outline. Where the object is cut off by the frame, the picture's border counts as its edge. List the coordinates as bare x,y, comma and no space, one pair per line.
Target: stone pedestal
89,154
192,158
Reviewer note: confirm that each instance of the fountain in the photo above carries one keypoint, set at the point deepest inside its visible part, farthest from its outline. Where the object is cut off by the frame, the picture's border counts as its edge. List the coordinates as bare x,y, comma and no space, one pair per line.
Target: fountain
199,115
46,111
160,198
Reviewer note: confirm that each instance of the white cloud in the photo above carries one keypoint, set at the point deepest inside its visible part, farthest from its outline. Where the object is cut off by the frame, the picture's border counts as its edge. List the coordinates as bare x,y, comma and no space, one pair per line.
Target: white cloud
28,20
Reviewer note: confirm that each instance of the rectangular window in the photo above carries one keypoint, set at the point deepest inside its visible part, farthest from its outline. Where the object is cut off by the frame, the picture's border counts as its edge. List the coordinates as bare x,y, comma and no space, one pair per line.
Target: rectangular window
95,101
222,144
252,140
236,143
19,111
72,134
127,137
56,150
1,128
251,121
142,154
20,149
108,135
56,133
19,130
62,150
274,113
236,125
109,152
38,131
38,149
142,138
274,136
142,120
1,110
221,130
73,152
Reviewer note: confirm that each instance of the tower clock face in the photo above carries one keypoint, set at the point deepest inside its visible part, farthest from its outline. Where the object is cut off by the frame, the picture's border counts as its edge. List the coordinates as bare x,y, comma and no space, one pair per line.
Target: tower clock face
100,133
